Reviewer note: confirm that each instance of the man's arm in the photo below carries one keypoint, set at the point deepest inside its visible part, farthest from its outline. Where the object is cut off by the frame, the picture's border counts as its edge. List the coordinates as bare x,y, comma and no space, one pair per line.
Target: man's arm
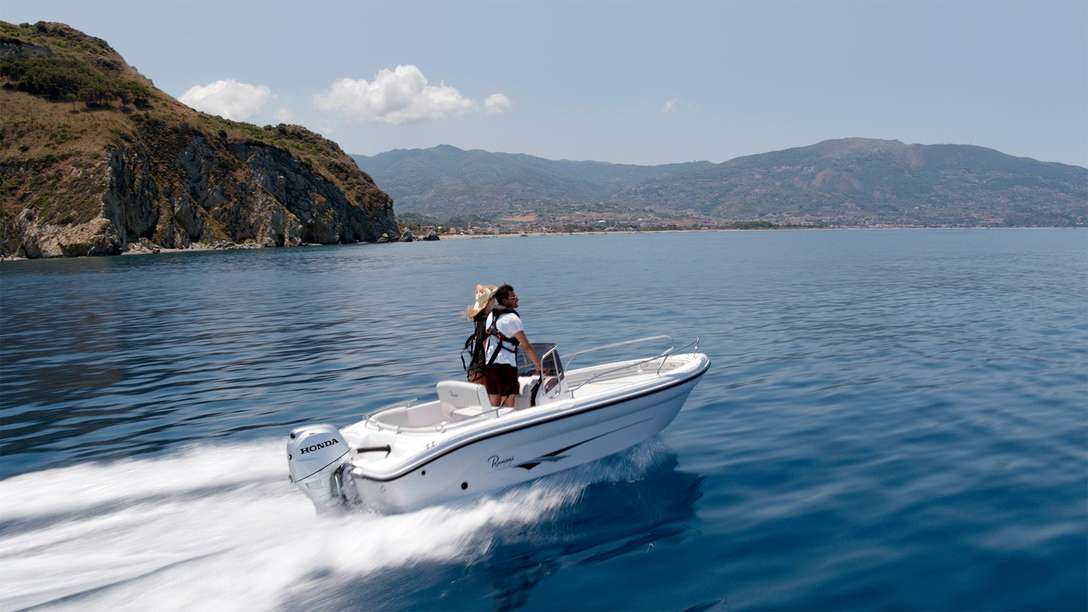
528,346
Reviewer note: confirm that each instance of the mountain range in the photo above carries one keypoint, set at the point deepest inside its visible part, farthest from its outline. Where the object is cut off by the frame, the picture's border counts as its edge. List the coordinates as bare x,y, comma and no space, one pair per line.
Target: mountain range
848,182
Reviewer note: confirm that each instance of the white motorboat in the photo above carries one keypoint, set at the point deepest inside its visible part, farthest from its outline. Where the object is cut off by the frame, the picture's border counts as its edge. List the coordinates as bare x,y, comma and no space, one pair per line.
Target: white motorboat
411,455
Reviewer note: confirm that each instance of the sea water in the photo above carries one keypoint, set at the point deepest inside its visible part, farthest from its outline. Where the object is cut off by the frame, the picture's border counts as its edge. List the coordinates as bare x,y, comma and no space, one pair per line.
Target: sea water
893,419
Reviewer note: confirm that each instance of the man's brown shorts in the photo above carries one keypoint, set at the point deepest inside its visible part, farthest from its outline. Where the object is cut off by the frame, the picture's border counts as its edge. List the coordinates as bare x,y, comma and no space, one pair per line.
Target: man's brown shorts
501,379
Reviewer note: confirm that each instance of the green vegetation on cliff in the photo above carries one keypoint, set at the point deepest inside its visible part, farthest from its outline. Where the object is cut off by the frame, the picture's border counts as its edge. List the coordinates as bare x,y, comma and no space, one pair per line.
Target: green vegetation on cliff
93,157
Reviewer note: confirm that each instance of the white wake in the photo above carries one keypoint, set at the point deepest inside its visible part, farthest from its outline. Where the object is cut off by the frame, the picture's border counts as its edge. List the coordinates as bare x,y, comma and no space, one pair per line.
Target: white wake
220,526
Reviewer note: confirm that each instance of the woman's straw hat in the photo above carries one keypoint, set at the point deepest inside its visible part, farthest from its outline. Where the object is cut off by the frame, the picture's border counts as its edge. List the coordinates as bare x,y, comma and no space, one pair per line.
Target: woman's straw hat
484,293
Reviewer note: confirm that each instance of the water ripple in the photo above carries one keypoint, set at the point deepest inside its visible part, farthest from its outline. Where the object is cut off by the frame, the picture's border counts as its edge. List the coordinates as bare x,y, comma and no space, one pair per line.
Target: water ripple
884,410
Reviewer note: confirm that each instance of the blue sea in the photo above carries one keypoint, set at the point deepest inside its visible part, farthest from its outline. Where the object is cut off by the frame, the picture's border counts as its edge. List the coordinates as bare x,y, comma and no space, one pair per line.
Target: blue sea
893,419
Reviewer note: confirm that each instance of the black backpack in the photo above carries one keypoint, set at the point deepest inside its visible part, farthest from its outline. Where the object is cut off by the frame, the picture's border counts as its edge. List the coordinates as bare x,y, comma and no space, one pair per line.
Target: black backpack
475,347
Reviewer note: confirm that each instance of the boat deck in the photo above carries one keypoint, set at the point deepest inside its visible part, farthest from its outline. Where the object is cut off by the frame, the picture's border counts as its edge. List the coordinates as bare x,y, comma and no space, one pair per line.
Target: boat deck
610,385
460,402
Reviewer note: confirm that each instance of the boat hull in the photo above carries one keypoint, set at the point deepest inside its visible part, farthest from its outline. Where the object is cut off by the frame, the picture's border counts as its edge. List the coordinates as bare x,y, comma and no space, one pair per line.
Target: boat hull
505,458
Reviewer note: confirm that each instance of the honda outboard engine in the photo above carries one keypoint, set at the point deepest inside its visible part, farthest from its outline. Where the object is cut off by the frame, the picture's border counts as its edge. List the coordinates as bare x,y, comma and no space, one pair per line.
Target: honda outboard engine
319,459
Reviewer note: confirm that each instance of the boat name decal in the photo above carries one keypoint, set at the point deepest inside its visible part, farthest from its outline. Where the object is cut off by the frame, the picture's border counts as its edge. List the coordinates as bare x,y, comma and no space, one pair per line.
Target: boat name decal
319,446
497,462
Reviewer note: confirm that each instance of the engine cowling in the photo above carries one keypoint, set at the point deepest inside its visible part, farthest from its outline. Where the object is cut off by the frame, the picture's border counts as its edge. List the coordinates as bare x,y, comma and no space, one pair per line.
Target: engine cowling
317,458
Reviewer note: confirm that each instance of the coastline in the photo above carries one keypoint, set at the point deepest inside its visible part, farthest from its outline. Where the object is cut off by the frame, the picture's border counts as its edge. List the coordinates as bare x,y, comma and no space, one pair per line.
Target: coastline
760,229
201,247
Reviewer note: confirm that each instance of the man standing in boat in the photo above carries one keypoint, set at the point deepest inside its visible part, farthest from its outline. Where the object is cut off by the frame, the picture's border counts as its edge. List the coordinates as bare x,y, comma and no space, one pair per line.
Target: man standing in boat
505,336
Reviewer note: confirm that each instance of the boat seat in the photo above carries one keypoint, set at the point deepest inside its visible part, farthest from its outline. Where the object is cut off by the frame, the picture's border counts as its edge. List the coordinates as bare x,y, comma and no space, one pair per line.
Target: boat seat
466,399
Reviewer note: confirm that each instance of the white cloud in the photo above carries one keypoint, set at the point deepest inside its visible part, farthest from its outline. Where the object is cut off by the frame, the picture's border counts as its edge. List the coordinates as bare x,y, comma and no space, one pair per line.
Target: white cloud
282,115
394,96
229,99
497,103
670,105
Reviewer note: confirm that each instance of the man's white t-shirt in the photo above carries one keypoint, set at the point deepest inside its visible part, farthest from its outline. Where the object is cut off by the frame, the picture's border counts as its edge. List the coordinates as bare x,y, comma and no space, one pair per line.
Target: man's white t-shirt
508,325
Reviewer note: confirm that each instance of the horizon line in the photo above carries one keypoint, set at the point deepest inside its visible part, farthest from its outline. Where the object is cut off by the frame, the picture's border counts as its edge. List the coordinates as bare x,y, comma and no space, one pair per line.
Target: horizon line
698,161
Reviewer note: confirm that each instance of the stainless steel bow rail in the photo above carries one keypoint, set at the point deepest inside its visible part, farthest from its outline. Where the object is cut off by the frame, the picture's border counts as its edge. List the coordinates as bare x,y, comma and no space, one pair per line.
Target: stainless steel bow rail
663,356
694,344
572,356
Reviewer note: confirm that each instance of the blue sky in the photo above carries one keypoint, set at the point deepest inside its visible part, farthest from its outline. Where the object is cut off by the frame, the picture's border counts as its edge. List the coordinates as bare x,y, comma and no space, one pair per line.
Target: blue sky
618,81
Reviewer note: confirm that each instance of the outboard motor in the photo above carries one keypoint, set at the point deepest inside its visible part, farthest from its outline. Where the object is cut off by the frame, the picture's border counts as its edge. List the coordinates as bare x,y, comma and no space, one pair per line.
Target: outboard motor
319,459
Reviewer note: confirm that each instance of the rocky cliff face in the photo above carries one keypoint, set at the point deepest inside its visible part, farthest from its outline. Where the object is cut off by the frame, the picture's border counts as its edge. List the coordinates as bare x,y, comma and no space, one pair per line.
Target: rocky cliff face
94,159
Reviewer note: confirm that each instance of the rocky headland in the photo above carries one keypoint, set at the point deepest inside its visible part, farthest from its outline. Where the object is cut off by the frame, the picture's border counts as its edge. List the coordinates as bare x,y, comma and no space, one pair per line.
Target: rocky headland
95,160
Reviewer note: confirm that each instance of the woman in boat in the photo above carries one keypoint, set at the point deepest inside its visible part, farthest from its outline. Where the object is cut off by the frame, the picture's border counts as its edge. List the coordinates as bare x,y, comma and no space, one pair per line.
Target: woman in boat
474,344
505,336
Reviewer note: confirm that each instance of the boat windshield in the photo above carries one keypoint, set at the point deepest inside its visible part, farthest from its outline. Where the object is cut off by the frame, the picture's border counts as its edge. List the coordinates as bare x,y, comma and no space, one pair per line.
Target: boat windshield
526,367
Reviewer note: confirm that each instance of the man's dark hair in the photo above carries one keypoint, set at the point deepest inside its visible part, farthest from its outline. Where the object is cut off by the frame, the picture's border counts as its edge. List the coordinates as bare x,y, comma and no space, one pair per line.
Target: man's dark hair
503,293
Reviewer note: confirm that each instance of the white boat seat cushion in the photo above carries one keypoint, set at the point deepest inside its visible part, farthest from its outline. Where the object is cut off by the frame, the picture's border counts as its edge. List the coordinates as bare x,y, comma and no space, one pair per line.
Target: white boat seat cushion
465,398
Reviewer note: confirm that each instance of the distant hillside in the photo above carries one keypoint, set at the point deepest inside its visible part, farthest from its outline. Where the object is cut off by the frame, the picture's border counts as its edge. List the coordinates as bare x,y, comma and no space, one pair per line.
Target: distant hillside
94,160
852,181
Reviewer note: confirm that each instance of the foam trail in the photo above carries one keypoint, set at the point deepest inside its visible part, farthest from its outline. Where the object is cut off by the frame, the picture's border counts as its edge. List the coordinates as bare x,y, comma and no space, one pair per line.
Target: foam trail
87,485
220,524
